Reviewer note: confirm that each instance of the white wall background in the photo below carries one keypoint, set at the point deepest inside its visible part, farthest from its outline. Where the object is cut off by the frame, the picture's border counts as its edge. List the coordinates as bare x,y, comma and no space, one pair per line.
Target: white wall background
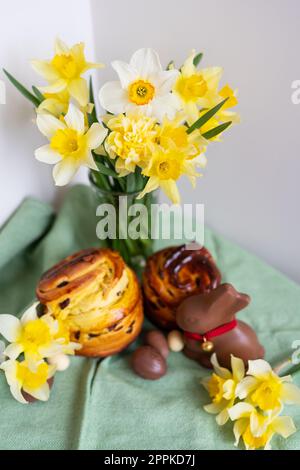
251,186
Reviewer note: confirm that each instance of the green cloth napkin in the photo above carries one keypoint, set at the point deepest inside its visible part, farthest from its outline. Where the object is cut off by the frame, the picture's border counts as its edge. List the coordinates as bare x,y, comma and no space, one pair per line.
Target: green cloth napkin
104,405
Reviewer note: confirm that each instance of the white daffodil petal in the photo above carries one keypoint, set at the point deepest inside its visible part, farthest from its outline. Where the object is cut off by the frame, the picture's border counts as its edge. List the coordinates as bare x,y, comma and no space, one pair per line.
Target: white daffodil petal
290,394
54,87
125,72
10,327
146,62
166,81
45,69
258,424
221,371
284,425
48,125
245,387
214,408
239,428
222,417
41,393
75,119
64,171
16,393
29,314
79,90
61,47
228,389
95,135
238,368
113,98
259,368
163,106
13,350
90,162
240,410
45,154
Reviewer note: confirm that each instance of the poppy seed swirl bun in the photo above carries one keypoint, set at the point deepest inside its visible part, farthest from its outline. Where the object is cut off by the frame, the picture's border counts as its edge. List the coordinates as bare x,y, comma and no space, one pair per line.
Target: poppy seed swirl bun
173,274
98,297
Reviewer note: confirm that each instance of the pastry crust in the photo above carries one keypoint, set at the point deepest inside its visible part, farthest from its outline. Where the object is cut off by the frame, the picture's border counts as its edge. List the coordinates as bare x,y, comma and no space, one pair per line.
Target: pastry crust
98,297
171,275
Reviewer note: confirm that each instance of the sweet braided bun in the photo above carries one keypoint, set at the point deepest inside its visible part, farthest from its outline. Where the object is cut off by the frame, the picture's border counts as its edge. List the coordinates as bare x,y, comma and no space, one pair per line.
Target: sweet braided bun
98,297
173,274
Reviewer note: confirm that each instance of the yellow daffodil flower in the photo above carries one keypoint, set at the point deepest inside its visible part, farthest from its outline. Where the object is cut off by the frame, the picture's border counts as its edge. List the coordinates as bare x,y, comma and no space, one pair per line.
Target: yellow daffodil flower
21,377
130,139
56,103
221,386
143,85
70,146
64,71
225,114
165,167
36,337
265,389
257,429
197,88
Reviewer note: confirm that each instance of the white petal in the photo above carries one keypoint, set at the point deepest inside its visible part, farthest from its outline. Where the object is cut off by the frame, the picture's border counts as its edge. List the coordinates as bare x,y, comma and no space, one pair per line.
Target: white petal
238,368
258,424
13,350
90,162
48,125
55,87
214,408
75,119
290,394
146,62
259,368
245,387
228,389
166,105
10,327
221,371
95,135
17,394
125,72
64,171
240,410
45,154
284,425
239,428
165,81
29,314
41,393
222,418
113,98
61,47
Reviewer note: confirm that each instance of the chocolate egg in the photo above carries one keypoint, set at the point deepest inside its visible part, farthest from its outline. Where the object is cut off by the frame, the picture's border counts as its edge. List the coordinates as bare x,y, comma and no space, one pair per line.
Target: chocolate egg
157,340
148,363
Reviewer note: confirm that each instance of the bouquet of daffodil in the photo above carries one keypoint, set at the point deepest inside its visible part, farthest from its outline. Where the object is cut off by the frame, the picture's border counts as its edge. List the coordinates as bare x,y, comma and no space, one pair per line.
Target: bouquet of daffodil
157,126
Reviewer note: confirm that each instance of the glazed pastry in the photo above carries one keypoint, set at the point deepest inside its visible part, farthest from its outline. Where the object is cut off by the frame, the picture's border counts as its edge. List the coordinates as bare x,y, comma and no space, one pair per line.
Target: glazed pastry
173,274
98,297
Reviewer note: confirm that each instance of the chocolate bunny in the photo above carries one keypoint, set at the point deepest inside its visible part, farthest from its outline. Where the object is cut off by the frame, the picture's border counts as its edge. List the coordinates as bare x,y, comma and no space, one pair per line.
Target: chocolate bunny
209,325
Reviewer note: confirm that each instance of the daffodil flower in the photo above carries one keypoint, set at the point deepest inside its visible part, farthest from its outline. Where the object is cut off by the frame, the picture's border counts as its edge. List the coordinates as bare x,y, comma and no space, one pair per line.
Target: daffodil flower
142,85
70,146
37,338
265,389
197,88
64,71
22,378
257,429
2,349
221,386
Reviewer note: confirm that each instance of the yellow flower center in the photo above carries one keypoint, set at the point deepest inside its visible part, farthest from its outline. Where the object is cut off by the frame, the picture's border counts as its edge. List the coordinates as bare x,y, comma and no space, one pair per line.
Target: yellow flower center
267,395
29,379
67,142
66,66
215,388
141,92
168,169
254,442
191,88
34,334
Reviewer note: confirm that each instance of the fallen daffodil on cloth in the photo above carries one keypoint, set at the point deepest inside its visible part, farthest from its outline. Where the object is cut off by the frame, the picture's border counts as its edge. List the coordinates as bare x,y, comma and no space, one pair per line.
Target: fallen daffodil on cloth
143,85
221,386
21,377
64,71
253,401
70,145
257,429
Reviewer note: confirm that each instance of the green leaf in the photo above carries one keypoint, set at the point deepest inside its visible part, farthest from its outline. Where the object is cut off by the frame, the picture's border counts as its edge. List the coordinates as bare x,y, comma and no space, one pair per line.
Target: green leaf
38,94
103,168
130,183
22,89
170,64
92,117
197,59
216,130
206,117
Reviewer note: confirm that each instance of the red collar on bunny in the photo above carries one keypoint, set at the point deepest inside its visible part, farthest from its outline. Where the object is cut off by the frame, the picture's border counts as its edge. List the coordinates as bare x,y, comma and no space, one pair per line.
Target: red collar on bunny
220,330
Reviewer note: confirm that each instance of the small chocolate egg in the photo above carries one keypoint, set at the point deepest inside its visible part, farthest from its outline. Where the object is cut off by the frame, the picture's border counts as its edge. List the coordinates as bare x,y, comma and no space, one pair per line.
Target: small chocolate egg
148,363
158,341
175,341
